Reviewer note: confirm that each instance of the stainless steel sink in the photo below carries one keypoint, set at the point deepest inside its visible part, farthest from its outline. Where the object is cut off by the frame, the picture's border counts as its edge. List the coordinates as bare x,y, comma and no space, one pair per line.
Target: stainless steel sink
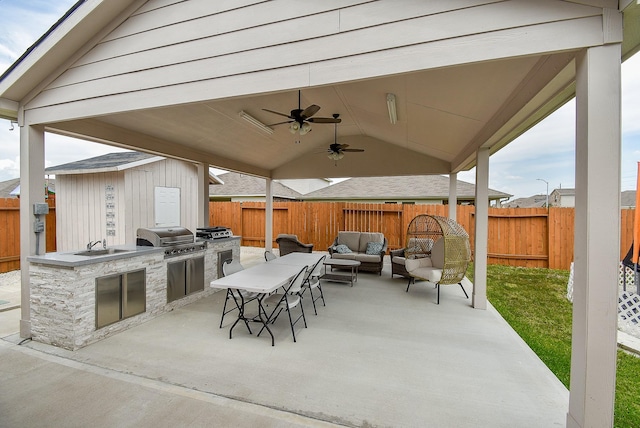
104,252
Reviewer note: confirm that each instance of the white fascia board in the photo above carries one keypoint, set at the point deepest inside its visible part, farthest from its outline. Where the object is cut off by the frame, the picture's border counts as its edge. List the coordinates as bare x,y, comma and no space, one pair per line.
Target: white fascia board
8,109
138,163
214,179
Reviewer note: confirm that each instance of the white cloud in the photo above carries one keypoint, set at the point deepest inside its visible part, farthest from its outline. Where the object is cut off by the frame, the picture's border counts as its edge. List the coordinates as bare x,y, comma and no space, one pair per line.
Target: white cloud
9,168
58,150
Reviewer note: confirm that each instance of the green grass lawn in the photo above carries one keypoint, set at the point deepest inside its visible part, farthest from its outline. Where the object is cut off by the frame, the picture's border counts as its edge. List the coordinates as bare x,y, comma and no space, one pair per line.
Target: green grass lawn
534,303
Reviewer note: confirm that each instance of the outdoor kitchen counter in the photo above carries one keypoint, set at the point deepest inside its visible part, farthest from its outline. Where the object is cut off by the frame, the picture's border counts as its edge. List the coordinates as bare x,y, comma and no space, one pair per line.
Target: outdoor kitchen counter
71,259
65,293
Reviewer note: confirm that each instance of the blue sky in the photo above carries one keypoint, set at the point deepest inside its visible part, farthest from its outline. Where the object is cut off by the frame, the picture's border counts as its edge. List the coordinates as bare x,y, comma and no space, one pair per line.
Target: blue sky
545,152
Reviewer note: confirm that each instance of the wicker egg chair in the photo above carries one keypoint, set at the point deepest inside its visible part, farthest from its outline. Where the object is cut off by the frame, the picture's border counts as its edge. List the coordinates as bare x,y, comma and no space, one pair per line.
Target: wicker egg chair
437,250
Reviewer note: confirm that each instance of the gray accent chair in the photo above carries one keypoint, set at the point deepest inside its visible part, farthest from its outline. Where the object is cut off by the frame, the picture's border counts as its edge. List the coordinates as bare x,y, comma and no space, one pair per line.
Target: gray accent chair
290,244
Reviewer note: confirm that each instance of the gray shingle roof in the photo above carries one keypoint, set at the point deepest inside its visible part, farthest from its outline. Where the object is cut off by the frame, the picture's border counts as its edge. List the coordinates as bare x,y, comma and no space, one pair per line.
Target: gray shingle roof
628,198
108,161
247,185
6,187
394,188
565,191
535,201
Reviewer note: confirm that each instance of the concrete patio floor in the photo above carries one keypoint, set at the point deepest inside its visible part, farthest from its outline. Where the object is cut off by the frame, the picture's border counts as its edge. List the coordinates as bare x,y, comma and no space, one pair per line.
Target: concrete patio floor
375,356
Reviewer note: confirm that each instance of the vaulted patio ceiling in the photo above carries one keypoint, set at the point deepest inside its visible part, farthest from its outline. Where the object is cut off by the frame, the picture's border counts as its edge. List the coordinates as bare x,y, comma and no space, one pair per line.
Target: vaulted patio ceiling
444,115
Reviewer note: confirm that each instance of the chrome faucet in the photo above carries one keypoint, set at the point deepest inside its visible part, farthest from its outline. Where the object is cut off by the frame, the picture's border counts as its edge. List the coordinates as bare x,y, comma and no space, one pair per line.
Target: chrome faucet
92,244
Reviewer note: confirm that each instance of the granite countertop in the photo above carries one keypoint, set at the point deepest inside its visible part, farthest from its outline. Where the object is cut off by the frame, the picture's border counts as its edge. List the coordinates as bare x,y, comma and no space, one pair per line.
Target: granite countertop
77,258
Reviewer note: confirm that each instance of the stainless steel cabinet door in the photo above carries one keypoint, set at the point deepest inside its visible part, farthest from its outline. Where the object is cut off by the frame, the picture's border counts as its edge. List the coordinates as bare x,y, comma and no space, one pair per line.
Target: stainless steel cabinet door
195,275
176,276
108,298
134,291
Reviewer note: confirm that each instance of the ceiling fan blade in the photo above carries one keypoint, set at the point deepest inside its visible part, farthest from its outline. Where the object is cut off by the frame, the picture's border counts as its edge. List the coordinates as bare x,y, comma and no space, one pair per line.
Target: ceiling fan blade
353,150
278,113
309,111
280,123
323,120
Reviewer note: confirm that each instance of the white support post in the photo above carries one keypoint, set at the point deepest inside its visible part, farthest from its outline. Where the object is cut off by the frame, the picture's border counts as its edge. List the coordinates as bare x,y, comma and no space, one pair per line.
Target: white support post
268,227
31,192
479,299
597,237
203,195
453,196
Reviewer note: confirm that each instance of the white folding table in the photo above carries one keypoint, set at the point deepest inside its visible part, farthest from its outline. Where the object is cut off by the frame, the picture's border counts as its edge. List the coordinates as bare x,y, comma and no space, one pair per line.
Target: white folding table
298,259
262,278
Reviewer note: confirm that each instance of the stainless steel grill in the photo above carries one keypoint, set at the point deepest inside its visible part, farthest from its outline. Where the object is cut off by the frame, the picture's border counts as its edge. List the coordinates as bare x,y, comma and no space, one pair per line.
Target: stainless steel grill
214,232
175,240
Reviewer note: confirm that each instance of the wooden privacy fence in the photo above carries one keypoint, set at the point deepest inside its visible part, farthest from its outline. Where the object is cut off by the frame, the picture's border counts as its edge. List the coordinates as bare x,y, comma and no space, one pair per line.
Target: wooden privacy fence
528,237
10,232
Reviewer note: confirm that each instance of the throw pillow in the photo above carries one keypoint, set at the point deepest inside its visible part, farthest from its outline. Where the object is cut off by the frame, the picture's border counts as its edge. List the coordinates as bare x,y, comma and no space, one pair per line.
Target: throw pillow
342,249
374,248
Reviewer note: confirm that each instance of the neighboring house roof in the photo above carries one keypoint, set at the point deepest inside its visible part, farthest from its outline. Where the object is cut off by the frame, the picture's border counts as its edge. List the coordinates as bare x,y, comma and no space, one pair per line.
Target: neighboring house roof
628,199
394,188
242,185
565,191
535,201
6,187
11,188
111,162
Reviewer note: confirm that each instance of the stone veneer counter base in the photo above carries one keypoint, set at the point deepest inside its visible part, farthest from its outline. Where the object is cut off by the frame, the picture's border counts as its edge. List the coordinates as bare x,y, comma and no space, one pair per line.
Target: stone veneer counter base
63,290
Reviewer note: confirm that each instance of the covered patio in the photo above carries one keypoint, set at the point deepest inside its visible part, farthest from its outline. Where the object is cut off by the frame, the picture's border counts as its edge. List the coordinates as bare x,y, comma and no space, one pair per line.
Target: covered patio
466,78
374,356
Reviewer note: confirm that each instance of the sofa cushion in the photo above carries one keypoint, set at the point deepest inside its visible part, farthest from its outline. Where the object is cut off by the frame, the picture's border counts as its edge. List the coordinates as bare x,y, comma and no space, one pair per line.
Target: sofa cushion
437,254
374,248
366,258
366,237
414,264
342,249
350,239
431,274
348,256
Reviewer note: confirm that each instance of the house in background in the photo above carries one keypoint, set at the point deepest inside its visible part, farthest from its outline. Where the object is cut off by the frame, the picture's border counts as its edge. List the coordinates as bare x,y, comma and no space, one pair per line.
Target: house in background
11,188
236,187
307,185
413,189
628,199
565,198
111,196
535,201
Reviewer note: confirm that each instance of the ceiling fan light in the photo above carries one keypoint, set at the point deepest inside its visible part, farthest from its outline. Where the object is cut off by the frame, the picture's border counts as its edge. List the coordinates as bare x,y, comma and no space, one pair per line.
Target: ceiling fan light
335,155
305,128
391,107
294,127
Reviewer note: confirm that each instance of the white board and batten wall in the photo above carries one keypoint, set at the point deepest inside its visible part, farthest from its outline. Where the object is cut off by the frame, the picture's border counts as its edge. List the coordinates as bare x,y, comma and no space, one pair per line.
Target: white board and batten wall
113,205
